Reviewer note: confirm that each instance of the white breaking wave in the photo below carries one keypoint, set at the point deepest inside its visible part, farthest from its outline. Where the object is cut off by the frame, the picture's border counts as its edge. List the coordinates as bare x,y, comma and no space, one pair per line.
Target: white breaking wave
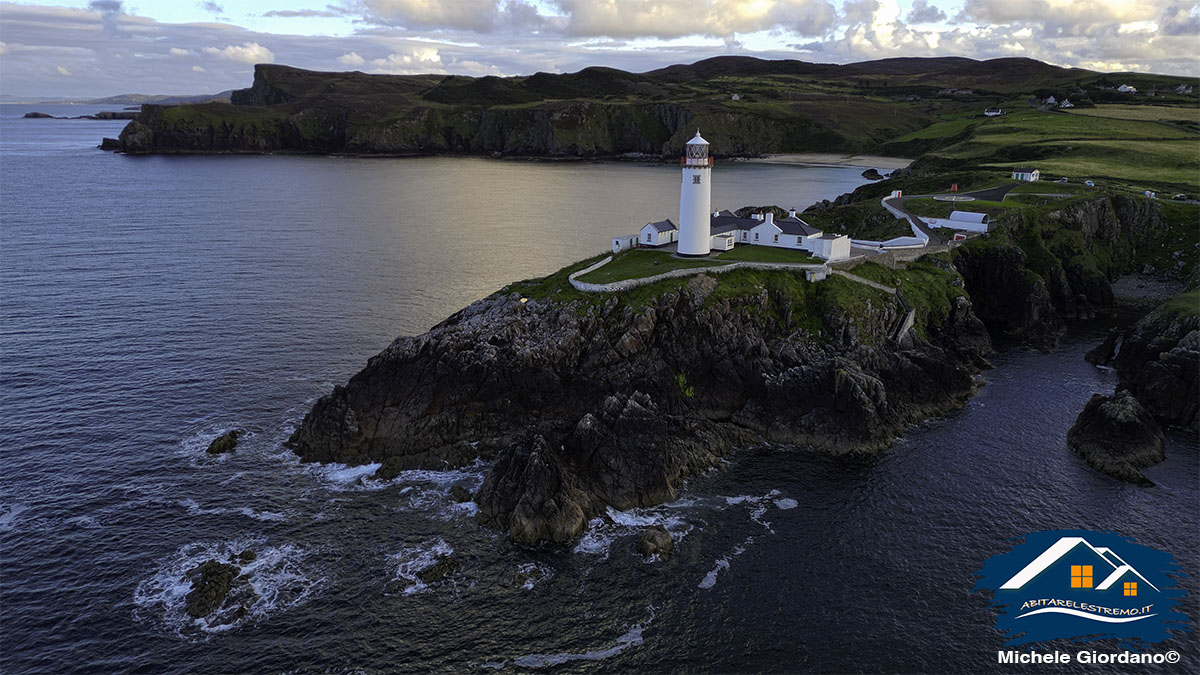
279,576
631,638
1085,615
195,509
535,573
410,561
601,532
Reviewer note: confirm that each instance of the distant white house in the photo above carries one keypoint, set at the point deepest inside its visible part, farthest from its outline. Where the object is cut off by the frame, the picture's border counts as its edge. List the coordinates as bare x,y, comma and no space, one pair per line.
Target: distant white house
1126,89
1090,183
1183,89
1028,175
1150,194
1066,103
659,234
1050,100
736,97
961,220
993,112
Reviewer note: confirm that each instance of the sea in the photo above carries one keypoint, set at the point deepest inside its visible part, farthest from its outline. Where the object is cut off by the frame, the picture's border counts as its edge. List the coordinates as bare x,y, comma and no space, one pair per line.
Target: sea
149,303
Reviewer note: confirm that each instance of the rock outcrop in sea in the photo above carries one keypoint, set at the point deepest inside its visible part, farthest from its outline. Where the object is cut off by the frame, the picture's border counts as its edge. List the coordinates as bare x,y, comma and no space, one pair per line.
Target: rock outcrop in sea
581,403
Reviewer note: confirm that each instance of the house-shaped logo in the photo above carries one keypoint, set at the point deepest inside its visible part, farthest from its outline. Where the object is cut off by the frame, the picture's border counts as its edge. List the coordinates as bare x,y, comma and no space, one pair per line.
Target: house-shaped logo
1083,585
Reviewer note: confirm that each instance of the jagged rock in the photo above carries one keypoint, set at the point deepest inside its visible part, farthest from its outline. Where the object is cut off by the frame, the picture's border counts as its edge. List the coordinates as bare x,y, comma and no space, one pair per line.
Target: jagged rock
1102,354
220,593
1160,362
226,442
111,144
460,494
872,174
37,116
1117,436
246,557
655,540
590,404
444,566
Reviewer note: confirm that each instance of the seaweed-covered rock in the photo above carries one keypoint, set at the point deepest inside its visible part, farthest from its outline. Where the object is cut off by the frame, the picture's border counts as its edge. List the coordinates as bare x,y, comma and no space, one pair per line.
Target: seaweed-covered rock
1117,436
224,443
220,593
872,174
460,494
1102,354
440,569
655,540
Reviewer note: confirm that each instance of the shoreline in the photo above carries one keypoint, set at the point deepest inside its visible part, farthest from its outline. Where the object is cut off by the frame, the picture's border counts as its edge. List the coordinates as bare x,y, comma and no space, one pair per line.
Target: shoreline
834,159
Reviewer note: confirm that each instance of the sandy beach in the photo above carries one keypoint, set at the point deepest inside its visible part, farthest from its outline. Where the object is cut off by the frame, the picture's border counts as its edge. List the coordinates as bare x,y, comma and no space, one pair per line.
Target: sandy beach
830,159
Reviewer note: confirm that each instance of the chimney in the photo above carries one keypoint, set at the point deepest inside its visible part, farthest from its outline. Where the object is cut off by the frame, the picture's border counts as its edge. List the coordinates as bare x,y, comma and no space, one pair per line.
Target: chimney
770,218
716,213
792,213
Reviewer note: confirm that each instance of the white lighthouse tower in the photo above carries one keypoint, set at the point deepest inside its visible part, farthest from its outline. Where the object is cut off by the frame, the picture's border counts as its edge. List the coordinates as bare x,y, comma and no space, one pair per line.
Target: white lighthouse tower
695,195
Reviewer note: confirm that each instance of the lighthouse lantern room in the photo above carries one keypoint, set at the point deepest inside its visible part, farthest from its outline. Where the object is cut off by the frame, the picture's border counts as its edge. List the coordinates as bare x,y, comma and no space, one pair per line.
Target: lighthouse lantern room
695,195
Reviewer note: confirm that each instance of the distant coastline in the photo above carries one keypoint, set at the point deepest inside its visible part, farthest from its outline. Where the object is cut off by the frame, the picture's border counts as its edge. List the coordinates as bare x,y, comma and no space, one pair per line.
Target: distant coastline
833,159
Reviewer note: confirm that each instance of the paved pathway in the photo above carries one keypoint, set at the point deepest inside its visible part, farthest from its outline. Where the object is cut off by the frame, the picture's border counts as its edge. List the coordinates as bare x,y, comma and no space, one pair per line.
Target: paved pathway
995,194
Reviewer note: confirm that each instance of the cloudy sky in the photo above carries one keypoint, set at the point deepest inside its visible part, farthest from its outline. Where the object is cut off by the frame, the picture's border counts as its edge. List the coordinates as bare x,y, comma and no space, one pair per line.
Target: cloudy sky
103,47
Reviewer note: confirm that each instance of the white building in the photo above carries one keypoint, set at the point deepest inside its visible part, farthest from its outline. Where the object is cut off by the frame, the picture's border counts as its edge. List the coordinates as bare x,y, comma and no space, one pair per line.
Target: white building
1126,89
658,234
1050,100
993,112
695,195
961,220
1066,103
1028,175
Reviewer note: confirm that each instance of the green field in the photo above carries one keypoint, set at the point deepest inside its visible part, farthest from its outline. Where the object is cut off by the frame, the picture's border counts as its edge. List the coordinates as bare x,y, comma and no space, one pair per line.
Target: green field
766,254
1128,153
1143,113
927,206
642,262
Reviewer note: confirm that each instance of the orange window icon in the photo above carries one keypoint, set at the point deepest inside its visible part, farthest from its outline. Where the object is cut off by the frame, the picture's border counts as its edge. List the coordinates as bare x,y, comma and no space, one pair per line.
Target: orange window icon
1081,576
1130,588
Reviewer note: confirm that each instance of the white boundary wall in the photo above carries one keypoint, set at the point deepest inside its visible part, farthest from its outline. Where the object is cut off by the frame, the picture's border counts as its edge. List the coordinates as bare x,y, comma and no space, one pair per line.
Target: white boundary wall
627,284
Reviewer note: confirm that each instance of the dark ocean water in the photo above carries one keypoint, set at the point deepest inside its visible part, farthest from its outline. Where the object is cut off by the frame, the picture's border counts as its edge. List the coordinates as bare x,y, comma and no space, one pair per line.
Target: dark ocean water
146,304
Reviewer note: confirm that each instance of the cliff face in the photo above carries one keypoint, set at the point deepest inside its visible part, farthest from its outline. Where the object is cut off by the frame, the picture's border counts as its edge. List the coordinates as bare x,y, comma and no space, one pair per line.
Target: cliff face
1041,268
598,402
1159,361
597,112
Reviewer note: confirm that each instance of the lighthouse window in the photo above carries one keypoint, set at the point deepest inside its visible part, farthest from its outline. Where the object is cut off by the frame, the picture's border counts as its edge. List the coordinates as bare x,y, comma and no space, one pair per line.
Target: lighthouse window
695,180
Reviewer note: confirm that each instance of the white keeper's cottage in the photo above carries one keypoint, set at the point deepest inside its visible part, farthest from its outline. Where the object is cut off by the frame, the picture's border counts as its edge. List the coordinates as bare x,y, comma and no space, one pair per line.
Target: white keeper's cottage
1027,175
701,231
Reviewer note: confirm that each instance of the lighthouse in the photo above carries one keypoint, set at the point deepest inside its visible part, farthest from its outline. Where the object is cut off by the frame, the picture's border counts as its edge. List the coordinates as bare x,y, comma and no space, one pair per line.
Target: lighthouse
694,197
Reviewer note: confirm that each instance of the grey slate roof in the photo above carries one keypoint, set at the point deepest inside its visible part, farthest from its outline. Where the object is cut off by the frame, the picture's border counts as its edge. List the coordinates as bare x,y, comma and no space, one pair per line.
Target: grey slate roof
663,225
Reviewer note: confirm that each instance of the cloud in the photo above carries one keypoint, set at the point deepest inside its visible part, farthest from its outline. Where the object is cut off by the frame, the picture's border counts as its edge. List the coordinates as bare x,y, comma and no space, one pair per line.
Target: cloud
250,52
3,47
304,13
416,61
210,6
110,13
923,12
176,51
62,71
351,59
198,69
678,18
1180,19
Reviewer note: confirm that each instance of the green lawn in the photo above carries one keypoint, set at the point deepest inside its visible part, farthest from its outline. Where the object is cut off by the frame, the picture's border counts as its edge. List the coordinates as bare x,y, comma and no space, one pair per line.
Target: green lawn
641,262
1145,113
927,206
1137,154
940,130
752,253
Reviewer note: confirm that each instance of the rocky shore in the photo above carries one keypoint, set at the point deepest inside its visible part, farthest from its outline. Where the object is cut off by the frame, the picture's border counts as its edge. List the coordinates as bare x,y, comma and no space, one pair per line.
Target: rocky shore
1158,363
592,402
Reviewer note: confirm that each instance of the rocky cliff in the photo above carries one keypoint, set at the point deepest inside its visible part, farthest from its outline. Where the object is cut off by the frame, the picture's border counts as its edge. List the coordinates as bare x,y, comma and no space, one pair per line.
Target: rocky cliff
587,402
1159,369
1042,267
596,112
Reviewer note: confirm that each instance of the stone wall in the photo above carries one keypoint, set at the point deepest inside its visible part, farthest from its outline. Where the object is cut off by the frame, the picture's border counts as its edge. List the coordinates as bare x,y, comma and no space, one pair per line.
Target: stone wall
626,284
